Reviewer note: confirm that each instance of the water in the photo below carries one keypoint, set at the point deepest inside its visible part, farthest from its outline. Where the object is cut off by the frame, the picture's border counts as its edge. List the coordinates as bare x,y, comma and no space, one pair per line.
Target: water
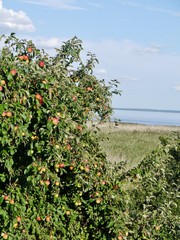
148,116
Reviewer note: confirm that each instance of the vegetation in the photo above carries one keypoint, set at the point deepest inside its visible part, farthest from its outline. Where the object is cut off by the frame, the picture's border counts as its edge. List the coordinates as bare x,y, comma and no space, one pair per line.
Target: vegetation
131,143
55,180
153,204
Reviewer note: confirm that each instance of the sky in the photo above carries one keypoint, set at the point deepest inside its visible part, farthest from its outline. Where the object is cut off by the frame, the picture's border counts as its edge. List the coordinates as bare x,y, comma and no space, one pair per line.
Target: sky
136,42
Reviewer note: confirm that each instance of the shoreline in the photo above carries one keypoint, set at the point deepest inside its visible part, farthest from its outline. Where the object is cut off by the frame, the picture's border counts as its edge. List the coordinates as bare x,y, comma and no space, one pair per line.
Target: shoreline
125,126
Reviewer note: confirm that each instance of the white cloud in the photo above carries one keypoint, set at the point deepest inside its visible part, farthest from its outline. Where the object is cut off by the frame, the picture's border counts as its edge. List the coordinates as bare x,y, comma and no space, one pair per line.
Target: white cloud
151,48
128,78
14,21
154,9
61,4
101,71
48,43
177,87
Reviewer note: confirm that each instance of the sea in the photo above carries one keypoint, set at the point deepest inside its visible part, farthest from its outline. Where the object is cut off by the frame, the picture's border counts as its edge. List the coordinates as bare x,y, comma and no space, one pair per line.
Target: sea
147,116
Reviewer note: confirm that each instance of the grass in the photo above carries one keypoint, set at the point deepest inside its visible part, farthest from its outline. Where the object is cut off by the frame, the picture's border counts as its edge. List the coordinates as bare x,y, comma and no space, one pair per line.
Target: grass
131,142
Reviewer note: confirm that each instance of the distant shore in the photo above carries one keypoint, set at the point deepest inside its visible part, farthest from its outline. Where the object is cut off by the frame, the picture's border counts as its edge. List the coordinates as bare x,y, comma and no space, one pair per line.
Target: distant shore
135,126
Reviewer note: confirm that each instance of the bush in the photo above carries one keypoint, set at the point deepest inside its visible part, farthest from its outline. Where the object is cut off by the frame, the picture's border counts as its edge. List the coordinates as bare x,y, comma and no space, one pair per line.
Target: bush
54,179
153,205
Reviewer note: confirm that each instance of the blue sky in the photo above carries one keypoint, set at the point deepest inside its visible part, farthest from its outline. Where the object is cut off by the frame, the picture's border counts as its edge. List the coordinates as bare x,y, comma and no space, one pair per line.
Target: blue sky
136,41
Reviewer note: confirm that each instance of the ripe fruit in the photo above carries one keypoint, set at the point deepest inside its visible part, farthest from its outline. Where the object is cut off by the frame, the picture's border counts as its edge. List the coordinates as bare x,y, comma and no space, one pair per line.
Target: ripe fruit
39,98
21,57
38,218
74,98
18,219
9,114
47,182
57,183
3,82
6,197
68,147
103,182
120,237
41,64
25,58
71,168
29,50
61,165
89,88
11,201
13,72
48,218
1,88
79,128
86,169
55,120
4,235
98,200
3,114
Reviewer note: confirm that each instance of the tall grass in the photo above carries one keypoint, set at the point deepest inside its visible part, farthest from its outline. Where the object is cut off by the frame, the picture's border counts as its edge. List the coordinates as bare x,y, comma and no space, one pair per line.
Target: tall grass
131,142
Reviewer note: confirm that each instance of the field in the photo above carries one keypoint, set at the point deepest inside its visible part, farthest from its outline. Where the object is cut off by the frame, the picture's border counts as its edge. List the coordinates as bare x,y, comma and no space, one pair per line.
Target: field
131,142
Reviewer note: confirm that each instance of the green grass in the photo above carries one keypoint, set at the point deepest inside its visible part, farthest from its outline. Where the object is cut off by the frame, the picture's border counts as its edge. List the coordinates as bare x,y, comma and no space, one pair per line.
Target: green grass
130,142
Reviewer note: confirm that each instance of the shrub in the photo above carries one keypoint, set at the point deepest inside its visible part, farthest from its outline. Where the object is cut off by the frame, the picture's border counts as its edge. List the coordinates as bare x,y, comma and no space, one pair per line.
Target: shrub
153,205
54,179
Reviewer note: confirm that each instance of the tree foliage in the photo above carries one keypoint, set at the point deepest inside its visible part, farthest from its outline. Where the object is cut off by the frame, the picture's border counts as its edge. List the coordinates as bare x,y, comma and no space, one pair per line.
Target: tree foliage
53,175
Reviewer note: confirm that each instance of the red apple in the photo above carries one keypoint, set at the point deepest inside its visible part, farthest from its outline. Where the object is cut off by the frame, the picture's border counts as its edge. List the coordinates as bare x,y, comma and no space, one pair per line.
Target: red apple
3,114
74,98
4,235
87,169
18,219
79,128
25,58
68,147
61,165
47,182
9,114
6,197
29,49
71,168
41,64
89,89
38,96
120,237
38,218
41,102
13,72
55,120
21,57
103,182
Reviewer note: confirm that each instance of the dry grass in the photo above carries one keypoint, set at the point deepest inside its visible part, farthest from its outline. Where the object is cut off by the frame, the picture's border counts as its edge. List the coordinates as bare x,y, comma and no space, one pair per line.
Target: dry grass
130,142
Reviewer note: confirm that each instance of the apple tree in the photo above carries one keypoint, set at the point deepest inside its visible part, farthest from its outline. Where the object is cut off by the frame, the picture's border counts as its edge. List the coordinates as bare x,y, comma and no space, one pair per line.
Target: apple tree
54,178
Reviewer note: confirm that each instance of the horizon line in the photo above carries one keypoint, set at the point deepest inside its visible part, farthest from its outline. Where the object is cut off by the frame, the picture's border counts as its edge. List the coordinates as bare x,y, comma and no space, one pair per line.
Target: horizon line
147,110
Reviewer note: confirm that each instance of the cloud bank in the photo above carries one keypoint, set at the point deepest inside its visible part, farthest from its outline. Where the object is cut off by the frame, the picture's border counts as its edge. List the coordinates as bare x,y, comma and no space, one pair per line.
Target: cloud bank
14,21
